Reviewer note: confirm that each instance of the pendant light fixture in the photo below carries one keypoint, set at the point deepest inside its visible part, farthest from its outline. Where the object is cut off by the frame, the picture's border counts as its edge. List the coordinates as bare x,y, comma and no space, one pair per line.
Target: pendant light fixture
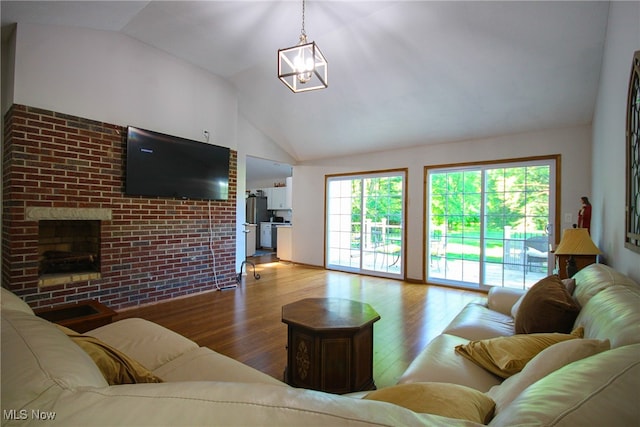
302,67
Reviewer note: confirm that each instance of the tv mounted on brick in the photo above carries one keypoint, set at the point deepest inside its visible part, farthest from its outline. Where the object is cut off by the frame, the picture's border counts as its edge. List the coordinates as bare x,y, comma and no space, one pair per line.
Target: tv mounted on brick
168,166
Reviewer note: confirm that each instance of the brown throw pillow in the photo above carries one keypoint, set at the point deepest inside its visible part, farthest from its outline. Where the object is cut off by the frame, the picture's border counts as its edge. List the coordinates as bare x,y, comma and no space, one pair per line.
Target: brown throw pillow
546,307
447,400
117,367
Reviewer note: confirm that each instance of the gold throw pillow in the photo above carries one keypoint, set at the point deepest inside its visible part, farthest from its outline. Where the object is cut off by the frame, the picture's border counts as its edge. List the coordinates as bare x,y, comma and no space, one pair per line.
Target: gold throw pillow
117,367
447,400
505,356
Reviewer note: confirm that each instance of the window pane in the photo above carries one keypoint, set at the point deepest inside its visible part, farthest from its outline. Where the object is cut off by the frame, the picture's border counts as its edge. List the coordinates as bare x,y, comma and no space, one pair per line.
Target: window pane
371,209
486,223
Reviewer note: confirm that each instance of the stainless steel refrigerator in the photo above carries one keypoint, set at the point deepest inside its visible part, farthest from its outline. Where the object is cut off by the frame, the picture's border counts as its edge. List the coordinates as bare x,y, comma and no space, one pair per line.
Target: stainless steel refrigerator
257,213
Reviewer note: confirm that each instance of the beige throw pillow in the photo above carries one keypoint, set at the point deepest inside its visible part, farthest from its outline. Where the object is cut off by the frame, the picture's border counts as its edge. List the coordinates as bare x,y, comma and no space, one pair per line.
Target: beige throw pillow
447,400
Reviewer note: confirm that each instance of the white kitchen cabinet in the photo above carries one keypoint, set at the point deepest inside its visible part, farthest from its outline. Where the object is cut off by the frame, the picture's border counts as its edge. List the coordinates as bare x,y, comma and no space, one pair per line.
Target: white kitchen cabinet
265,235
268,192
276,198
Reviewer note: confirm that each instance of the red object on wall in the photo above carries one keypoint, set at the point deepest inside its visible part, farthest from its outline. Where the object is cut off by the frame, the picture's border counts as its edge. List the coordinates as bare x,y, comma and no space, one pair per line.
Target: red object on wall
584,216
151,250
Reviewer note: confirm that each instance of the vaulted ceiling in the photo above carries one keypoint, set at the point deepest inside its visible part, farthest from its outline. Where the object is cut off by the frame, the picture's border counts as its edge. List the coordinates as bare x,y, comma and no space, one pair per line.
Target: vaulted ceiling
401,73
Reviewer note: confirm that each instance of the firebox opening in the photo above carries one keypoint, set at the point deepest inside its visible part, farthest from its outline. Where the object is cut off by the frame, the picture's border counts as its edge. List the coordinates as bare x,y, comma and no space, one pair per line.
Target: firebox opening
68,247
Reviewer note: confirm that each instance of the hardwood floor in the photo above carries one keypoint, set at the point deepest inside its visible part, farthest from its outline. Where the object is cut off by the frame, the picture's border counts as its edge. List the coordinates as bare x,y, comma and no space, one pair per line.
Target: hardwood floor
263,258
245,323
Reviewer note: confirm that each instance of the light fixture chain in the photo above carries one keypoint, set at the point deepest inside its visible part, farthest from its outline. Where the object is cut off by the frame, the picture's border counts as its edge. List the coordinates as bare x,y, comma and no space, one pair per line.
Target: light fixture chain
302,31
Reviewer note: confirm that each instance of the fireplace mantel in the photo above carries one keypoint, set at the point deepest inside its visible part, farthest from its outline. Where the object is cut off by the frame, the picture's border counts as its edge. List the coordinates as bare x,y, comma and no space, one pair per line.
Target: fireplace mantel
42,213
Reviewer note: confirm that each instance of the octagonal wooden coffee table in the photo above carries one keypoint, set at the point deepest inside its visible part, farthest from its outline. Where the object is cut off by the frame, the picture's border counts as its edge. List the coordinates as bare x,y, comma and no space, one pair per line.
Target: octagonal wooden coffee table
330,344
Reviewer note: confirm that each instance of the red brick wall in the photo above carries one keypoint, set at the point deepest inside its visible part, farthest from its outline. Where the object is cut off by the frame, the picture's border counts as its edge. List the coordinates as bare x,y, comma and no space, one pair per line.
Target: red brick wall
152,249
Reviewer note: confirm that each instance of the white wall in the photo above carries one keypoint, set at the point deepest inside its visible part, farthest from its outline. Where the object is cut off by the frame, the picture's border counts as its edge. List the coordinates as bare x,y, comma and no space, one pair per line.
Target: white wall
609,124
110,77
259,145
574,145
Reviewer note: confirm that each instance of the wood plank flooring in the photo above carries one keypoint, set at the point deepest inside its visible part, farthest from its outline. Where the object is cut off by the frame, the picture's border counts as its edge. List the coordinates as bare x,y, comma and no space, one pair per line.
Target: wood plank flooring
245,323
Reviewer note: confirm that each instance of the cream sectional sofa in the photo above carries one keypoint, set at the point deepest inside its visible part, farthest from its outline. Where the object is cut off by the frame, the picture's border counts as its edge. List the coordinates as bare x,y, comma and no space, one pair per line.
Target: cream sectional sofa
603,389
46,375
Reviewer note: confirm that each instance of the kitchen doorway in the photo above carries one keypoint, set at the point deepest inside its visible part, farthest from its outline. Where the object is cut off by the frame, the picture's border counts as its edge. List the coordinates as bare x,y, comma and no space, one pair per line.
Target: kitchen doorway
266,205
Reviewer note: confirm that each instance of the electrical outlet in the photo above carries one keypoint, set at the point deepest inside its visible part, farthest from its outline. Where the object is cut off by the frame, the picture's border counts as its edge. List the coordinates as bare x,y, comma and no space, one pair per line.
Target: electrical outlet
568,217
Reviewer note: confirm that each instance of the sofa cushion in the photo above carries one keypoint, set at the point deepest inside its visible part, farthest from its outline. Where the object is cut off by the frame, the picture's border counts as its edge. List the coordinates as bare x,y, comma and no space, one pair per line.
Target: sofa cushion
11,301
203,364
506,356
548,360
39,360
149,343
596,277
502,299
447,400
614,314
116,367
477,322
439,362
546,307
207,403
600,390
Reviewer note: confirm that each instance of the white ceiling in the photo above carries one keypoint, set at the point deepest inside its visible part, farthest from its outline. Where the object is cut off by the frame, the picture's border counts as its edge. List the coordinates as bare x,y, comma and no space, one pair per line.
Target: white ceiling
401,73
263,170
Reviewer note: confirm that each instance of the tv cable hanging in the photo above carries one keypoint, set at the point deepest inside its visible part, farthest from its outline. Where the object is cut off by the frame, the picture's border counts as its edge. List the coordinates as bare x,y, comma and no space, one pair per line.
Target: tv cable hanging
213,257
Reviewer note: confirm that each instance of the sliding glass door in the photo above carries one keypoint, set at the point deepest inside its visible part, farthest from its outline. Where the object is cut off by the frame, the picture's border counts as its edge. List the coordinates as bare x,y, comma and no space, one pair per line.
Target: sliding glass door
490,225
365,223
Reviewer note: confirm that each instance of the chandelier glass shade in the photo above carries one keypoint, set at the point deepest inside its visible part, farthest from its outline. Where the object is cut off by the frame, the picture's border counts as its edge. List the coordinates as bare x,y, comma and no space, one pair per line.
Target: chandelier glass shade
302,67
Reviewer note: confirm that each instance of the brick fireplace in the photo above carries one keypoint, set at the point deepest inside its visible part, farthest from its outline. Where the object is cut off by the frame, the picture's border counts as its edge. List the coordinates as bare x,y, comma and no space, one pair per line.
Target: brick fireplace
70,233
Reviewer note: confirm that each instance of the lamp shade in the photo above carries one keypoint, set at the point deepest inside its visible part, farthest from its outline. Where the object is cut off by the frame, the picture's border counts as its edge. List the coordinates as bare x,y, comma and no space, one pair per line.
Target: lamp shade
576,241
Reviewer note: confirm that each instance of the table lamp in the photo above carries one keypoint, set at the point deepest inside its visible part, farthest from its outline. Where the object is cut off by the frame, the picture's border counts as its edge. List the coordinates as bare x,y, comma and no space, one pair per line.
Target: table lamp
576,241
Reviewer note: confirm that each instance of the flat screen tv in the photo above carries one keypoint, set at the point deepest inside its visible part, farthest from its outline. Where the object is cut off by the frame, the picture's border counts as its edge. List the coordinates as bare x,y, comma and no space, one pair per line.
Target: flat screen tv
169,166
